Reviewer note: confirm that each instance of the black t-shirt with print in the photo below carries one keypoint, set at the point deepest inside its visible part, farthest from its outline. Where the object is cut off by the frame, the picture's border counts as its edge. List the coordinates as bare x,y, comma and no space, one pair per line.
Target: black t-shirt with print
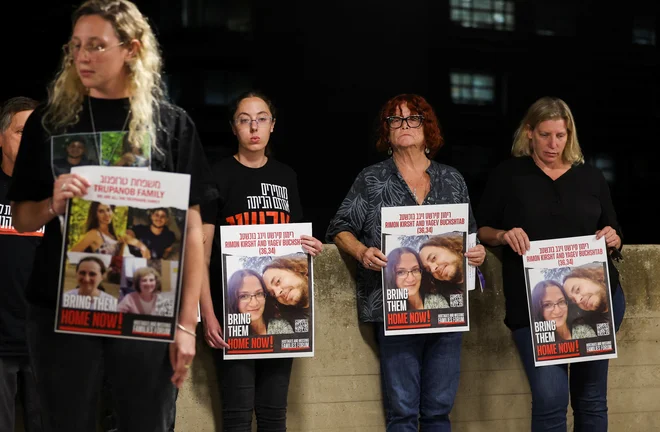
180,151
16,258
265,195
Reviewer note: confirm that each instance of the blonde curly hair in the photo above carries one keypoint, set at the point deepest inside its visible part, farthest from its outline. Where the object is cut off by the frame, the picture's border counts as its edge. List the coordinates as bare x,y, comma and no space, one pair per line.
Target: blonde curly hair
66,92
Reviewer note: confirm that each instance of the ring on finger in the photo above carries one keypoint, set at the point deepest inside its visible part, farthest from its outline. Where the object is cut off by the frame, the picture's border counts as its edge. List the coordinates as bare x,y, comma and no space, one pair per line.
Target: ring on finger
64,186
369,264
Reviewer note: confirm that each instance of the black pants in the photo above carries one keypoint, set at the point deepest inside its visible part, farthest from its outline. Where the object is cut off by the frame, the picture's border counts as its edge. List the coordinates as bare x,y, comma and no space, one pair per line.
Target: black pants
261,386
69,370
17,380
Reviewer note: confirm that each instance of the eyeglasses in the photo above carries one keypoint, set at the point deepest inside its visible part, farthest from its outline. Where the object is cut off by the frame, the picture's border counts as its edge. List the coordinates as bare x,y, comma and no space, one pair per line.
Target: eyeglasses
93,50
549,306
246,122
413,121
402,274
247,298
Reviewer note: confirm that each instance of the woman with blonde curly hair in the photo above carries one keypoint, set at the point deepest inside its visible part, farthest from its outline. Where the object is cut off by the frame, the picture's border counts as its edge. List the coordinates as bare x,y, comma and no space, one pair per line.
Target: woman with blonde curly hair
109,81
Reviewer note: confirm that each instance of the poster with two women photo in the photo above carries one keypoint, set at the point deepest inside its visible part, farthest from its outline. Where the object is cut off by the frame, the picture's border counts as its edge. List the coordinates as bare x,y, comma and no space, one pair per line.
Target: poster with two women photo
425,282
121,268
268,291
569,299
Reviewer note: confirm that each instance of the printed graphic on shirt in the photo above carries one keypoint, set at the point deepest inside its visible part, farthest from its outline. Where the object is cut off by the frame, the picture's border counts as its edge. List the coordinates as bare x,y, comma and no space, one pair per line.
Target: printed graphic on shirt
270,207
105,148
7,226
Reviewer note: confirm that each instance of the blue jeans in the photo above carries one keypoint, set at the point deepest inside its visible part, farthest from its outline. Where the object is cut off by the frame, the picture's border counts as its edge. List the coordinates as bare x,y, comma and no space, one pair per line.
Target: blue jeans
419,376
69,369
551,385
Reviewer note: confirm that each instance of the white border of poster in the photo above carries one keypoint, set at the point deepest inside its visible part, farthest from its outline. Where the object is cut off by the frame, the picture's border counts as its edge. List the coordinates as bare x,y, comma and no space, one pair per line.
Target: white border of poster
443,290
582,304
279,323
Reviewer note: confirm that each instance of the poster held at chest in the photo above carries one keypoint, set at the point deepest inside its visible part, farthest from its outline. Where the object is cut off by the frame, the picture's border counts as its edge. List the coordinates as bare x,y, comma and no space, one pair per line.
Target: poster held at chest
121,268
425,283
569,300
268,291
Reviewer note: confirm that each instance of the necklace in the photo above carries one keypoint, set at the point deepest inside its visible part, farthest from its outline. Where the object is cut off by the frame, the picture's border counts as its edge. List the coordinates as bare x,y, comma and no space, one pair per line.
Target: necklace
421,178
98,147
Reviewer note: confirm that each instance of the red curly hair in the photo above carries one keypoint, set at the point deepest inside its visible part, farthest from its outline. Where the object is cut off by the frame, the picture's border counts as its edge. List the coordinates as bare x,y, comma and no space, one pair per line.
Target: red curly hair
417,105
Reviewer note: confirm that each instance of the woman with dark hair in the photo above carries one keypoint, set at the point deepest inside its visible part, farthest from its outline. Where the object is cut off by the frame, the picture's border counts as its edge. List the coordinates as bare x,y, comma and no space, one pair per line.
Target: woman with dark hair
89,275
249,386
246,294
404,271
109,81
409,131
549,304
100,237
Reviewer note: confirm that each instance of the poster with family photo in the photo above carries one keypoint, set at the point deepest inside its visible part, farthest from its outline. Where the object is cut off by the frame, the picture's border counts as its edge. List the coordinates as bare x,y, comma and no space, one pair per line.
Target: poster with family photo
268,291
104,149
121,269
425,282
569,300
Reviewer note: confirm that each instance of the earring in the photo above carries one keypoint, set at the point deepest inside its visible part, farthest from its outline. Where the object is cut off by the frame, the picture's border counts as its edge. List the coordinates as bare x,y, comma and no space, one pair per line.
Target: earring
389,151
427,150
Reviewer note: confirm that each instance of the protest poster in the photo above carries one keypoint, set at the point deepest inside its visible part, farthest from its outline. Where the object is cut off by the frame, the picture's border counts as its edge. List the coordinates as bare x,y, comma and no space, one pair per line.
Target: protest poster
268,291
120,274
425,283
569,300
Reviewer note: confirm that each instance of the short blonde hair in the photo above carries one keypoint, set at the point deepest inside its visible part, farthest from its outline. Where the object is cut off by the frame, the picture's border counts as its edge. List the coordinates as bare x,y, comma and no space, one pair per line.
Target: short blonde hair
548,108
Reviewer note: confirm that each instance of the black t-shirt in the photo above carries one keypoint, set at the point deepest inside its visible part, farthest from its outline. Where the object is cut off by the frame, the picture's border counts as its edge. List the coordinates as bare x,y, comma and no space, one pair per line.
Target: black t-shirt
156,243
180,152
16,258
520,194
249,196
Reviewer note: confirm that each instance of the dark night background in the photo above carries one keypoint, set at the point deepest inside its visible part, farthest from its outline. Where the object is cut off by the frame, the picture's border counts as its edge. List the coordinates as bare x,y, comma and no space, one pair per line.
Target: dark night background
329,66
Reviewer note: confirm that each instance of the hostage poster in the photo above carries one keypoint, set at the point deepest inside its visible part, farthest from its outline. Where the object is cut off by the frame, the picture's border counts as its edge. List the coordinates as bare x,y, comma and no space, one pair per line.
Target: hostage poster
121,268
569,300
425,283
268,291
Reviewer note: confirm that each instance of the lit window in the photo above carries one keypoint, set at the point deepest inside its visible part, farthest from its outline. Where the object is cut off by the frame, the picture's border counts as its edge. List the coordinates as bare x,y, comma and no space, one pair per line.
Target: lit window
488,14
644,31
472,88
606,165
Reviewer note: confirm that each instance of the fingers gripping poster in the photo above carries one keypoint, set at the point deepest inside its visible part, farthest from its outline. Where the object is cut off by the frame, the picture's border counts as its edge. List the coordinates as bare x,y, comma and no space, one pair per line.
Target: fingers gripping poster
425,281
268,291
121,268
569,300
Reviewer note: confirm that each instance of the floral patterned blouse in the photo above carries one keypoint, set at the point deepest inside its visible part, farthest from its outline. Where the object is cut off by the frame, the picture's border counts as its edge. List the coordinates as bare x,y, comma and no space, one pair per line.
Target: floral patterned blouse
381,185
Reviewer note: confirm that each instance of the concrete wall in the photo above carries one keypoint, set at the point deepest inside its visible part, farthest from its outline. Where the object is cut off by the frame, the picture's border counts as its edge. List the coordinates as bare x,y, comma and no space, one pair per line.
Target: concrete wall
339,390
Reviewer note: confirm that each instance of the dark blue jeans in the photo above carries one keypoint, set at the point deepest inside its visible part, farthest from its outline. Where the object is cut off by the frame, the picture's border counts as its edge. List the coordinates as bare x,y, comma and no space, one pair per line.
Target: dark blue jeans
419,376
69,370
551,385
259,386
